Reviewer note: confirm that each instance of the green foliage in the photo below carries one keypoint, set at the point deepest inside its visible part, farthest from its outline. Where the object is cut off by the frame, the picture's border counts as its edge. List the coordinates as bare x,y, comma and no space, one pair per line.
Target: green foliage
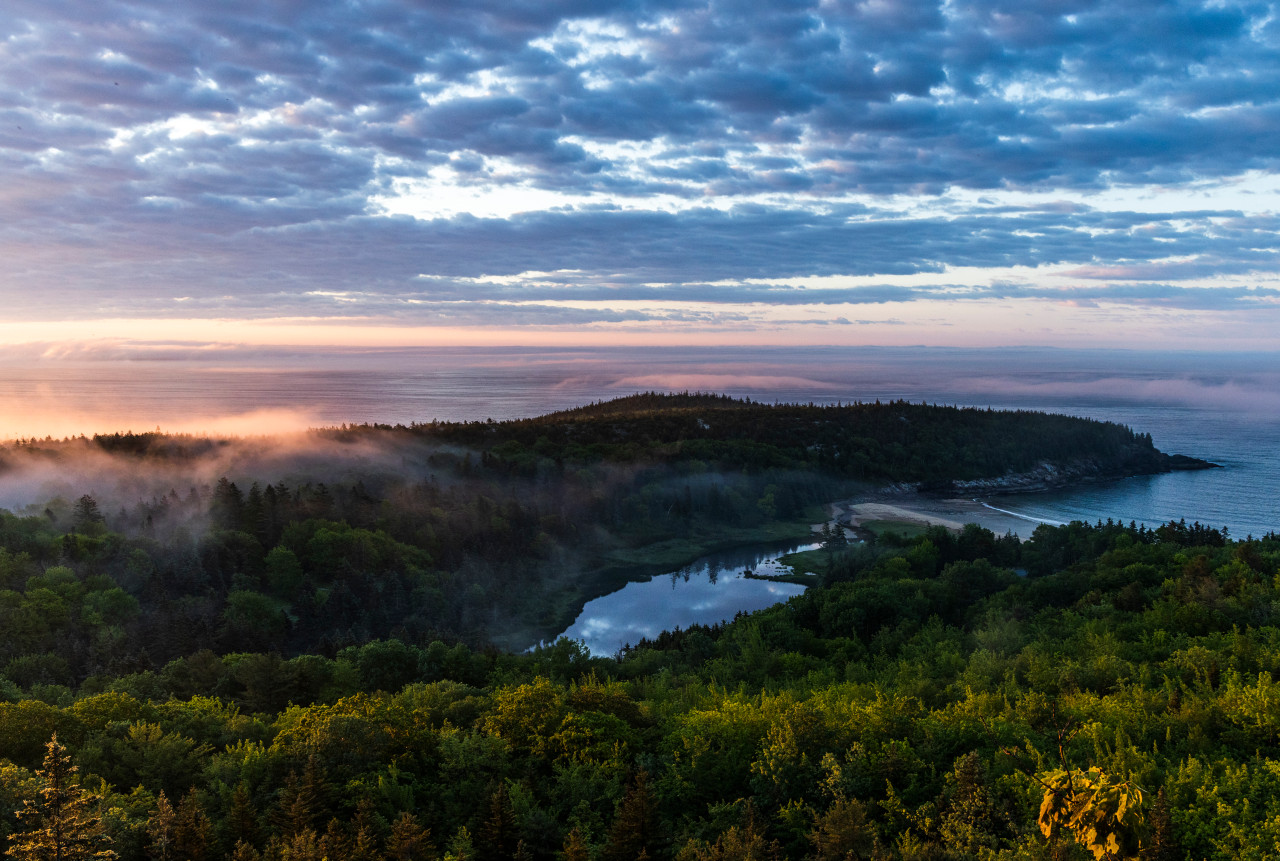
60,825
1101,813
933,704
314,676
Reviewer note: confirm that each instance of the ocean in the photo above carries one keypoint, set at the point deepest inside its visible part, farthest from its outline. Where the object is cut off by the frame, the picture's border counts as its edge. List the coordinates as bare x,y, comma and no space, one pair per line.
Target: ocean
1221,407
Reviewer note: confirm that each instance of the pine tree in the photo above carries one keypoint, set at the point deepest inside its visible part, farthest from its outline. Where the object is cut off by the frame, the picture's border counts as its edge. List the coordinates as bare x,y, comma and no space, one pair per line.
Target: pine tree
635,828
1162,846
364,846
409,841
160,830
193,833
336,843
302,800
245,852
843,831
87,516
969,822
460,848
227,506
293,815
255,514
304,846
745,843
575,846
63,825
497,838
242,820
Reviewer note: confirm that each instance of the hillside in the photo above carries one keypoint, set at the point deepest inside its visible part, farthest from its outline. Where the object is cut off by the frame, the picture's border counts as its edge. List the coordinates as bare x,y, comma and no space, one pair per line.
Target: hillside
485,532
927,702
875,442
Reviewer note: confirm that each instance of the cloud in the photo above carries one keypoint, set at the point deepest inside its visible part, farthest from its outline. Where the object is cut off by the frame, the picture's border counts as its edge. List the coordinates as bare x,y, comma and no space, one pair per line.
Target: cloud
246,156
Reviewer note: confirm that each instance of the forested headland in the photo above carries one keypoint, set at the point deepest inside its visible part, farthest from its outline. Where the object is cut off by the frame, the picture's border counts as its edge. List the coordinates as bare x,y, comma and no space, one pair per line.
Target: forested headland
482,532
297,656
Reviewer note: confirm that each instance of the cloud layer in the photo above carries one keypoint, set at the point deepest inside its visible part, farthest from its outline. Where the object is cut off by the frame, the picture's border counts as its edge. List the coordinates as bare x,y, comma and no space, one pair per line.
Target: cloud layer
628,161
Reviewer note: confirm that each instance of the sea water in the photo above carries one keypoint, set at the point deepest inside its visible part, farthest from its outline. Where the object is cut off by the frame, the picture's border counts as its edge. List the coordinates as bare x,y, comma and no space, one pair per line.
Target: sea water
1224,408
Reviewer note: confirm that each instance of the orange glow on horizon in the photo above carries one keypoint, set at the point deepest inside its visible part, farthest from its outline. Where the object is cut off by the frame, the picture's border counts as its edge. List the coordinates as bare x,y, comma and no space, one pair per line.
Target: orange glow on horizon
41,422
932,323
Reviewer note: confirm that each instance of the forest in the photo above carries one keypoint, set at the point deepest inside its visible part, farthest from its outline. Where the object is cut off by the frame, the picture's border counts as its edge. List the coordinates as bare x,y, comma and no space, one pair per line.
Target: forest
279,667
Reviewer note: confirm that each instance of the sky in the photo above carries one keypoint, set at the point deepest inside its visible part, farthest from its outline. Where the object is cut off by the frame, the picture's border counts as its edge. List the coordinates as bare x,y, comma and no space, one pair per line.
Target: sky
545,172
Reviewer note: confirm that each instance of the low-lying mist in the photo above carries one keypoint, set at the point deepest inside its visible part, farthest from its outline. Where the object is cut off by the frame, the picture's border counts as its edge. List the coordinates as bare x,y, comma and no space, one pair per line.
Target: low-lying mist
122,470
238,391
340,535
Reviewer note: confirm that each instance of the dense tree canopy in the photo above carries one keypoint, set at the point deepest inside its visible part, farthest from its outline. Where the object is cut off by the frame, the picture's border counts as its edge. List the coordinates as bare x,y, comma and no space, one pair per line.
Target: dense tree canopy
261,669
951,696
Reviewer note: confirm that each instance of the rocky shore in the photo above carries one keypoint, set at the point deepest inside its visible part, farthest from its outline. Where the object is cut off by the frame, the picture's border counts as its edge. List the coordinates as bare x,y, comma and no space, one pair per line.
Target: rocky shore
1048,476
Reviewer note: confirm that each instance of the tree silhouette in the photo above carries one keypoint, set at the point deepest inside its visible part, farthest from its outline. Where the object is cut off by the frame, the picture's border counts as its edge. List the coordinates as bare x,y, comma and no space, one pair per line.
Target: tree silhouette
160,830
635,827
242,819
63,824
575,846
409,841
193,833
87,516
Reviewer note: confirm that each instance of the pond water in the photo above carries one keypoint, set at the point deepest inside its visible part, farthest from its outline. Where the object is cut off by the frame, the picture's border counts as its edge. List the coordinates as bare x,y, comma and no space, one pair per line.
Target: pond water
713,589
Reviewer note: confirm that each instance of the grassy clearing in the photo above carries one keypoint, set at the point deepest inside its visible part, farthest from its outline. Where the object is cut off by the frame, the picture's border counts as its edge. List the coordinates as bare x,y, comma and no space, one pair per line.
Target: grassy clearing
806,563
676,552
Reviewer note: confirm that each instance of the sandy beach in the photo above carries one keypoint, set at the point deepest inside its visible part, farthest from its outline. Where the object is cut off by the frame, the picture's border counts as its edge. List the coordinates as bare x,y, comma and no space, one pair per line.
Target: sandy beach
929,511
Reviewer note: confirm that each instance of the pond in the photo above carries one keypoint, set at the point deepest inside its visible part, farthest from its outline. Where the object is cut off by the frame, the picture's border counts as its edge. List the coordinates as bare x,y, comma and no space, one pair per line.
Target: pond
713,589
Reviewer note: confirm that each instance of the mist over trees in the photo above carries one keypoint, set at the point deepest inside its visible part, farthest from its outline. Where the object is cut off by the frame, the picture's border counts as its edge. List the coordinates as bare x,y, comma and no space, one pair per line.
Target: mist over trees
296,654
478,532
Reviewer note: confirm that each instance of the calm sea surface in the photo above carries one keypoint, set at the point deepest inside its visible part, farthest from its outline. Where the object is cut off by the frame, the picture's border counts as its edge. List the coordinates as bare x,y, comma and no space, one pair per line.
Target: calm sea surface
1223,407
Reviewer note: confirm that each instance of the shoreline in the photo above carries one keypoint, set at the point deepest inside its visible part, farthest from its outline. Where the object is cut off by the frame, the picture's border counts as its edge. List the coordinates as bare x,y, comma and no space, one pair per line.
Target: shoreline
917,509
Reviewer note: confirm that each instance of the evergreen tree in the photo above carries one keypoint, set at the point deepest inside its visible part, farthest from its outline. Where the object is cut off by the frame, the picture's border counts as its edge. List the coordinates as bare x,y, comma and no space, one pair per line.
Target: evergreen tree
843,831
497,839
575,846
336,843
302,800
635,828
242,820
368,829
460,848
63,825
969,821
254,516
87,516
193,833
304,846
409,841
160,830
245,852
1162,846
227,506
